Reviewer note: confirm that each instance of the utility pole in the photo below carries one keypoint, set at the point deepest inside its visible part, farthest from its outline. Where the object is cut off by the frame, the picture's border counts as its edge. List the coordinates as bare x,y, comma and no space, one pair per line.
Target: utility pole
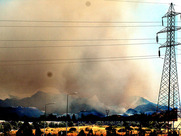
169,74
45,115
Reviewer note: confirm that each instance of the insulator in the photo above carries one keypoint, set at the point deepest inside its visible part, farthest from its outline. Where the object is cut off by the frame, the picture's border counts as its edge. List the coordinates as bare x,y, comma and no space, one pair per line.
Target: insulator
157,38
159,54
162,23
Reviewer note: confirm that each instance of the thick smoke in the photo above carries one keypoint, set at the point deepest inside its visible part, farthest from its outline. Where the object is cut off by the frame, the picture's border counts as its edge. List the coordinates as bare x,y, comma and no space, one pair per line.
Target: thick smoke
99,84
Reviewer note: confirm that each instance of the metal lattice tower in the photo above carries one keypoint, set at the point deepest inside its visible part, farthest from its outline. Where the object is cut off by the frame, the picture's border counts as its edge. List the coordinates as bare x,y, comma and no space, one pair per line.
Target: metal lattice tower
169,97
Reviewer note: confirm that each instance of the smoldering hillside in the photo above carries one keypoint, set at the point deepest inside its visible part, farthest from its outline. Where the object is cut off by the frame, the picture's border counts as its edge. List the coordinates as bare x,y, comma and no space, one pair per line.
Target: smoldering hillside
99,83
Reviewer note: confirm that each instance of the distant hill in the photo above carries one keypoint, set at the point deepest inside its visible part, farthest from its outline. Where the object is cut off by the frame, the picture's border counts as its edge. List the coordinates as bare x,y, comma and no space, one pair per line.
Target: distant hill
36,100
91,112
135,101
143,106
85,113
19,112
146,107
40,98
131,112
134,105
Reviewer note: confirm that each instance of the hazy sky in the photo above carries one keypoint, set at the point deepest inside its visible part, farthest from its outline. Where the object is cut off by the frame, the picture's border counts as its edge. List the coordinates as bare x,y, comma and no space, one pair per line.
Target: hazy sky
20,76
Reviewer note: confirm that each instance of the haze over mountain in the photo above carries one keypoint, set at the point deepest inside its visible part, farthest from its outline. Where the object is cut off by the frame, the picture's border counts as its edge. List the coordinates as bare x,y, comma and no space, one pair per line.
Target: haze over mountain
148,108
76,104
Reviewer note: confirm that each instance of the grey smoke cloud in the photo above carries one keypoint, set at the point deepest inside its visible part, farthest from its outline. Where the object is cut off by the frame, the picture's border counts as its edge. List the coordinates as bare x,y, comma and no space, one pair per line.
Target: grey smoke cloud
107,83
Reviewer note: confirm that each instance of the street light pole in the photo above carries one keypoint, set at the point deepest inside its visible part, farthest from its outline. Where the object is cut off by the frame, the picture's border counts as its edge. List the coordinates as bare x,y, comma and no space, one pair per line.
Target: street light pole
44,120
74,93
45,115
67,114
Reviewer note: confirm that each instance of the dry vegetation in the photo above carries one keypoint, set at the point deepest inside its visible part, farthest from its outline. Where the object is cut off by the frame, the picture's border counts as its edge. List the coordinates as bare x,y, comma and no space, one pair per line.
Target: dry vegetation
97,130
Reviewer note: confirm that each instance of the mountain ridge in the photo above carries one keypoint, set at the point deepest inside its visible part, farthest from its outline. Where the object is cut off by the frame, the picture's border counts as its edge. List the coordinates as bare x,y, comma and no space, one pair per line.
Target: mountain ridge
40,98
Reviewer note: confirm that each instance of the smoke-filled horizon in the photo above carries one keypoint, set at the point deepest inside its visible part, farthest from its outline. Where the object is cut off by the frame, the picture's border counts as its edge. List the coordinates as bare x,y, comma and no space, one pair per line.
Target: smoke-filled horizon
110,83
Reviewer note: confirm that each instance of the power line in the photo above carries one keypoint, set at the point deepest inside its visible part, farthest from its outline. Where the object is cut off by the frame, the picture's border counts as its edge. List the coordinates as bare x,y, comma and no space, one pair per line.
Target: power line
79,61
83,21
75,60
91,59
73,46
70,62
77,21
84,59
75,40
70,40
61,26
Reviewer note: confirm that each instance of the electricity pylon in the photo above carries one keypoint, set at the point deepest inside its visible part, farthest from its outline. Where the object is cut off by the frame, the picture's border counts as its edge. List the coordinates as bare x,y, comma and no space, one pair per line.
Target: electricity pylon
169,97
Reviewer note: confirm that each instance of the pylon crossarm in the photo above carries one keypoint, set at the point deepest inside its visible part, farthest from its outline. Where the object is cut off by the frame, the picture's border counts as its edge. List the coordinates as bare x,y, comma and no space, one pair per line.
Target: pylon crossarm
165,30
170,14
177,13
166,45
163,45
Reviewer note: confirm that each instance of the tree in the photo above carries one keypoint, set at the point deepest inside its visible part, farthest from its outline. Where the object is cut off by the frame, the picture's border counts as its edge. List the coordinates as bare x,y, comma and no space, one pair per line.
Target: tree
52,124
37,128
20,124
7,127
72,129
14,125
82,116
51,117
73,118
70,123
1,128
68,117
25,130
41,124
62,124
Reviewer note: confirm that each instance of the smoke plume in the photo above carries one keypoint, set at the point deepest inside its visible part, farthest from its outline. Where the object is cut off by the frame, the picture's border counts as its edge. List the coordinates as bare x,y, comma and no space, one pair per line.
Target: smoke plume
98,84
